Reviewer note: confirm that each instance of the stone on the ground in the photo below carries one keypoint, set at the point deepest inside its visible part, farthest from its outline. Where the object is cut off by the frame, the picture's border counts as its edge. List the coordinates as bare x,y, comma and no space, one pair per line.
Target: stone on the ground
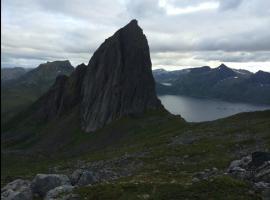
17,190
42,183
82,177
63,192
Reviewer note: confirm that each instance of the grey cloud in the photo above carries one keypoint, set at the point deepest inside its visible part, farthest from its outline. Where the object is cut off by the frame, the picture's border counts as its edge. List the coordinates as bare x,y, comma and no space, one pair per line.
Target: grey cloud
40,30
143,8
222,56
229,4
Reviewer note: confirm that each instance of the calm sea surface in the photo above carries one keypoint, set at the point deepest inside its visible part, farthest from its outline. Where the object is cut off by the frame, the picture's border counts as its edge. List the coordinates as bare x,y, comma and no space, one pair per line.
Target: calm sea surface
198,110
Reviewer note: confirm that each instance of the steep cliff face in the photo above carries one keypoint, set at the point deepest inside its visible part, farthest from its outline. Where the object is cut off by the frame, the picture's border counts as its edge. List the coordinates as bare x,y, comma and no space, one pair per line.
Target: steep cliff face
118,79
117,82
62,96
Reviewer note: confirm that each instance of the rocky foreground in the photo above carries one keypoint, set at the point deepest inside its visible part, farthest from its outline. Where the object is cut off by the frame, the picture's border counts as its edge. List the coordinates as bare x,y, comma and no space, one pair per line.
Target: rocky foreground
254,169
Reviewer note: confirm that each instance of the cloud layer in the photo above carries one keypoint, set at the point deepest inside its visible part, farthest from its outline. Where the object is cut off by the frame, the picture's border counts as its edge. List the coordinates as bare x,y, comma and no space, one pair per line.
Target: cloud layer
186,33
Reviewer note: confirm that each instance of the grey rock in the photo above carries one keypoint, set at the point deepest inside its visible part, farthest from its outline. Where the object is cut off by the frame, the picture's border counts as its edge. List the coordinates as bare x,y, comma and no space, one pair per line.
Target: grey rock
17,190
237,164
43,183
262,185
118,80
254,168
82,177
60,192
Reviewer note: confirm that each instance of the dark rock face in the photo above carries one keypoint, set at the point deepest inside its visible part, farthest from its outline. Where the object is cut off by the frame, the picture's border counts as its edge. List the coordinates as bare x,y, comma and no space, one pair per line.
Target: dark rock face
117,82
62,96
119,79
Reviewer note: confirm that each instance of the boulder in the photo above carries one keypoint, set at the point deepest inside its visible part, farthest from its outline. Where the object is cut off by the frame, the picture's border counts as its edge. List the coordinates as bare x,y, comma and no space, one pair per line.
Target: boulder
262,185
237,164
42,183
82,177
259,158
254,168
17,190
63,192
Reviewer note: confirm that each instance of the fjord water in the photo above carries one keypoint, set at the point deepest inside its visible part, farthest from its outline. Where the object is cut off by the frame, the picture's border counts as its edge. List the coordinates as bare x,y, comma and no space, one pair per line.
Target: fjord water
199,110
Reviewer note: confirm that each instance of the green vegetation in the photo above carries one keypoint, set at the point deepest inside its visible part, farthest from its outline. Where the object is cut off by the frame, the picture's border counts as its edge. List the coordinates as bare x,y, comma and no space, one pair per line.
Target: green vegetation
219,188
172,151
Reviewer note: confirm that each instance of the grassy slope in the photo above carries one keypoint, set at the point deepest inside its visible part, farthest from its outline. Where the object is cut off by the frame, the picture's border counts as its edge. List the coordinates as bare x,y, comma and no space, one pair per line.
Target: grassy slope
175,151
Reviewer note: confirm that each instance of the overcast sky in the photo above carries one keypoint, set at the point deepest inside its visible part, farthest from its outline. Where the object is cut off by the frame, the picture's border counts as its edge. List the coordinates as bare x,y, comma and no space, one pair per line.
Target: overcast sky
181,33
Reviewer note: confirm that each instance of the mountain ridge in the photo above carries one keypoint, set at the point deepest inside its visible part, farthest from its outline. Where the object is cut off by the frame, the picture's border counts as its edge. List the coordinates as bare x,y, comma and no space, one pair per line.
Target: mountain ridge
17,94
219,83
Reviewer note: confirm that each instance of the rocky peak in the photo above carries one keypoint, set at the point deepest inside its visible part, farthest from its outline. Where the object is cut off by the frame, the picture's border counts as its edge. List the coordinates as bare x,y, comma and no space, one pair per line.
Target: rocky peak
224,71
56,66
46,73
224,68
117,82
261,77
119,79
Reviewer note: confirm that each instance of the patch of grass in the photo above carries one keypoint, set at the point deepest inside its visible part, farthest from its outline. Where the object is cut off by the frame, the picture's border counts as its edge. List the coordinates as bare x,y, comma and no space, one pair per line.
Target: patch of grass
221,188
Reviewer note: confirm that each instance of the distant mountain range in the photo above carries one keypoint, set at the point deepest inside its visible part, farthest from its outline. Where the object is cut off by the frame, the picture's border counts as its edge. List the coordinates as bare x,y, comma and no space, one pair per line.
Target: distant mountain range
12,73
220,83
20,87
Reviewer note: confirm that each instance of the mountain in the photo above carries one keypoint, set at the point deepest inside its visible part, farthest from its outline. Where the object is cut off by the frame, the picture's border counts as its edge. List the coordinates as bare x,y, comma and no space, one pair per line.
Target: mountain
163,76
220,83
119,79
17,94
105,90
130,147
260,77
12,73
44,73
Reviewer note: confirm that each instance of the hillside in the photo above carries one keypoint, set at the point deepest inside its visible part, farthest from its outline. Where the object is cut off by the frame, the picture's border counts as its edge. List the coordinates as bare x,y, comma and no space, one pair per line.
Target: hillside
155,151
18,93
219,83
8,74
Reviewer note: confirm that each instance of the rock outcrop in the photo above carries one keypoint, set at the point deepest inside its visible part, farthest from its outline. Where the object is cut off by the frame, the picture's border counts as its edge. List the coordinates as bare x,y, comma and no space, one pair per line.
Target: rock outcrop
43,183
63,192
62,96
17,190
82,177
254,168
117,82
119,79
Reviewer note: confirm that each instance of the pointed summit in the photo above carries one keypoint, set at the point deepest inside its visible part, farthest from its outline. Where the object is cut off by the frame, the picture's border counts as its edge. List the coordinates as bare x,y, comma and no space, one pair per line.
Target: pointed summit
133,22
119,79
223,66
117,82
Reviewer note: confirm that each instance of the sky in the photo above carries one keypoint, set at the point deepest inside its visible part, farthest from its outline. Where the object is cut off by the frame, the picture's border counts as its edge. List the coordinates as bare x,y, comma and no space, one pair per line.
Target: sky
180,33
